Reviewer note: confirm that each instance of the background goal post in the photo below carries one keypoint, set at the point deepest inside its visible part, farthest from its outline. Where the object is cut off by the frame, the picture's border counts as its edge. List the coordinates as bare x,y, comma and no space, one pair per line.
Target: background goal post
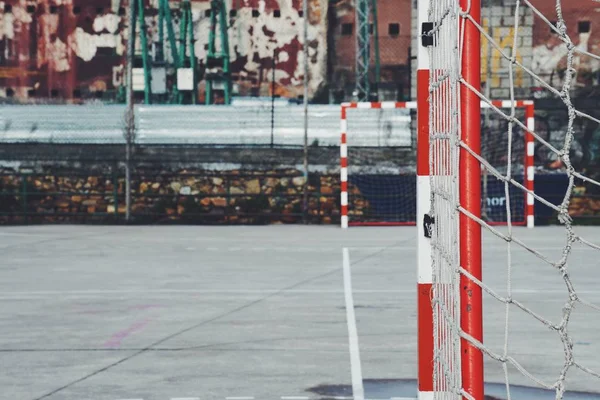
372,197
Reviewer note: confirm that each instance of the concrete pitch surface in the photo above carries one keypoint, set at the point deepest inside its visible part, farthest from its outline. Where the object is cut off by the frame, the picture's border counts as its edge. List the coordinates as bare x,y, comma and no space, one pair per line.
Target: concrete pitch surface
153,312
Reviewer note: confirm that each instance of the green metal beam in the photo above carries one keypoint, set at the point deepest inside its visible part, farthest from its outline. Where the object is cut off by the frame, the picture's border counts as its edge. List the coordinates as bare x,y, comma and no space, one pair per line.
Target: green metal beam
170,30
193,62
225,50
376,44
160,48
366,13
363,53
211,53
183,22
219,16
145,60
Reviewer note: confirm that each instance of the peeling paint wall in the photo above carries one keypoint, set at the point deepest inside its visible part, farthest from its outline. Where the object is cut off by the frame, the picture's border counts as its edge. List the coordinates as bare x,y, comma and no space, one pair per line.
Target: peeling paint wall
72,49
255,39
66,49
49,49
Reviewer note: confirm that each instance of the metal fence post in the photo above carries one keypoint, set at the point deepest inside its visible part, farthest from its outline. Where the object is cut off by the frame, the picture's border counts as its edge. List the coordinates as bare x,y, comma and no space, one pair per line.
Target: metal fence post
228,197
116,190
24,197
305,11
273,65
129,114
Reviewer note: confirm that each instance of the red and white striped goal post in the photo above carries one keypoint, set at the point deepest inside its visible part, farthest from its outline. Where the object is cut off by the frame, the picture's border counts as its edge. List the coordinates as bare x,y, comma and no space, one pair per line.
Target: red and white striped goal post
423,153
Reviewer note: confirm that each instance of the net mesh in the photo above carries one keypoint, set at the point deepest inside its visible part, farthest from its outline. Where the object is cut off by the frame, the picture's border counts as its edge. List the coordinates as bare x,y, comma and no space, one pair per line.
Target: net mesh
495,139
382,166
557,346
443,158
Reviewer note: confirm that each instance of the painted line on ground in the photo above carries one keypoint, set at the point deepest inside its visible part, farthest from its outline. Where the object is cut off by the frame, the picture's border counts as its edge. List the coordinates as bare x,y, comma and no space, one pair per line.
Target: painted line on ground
240,398
193,291
118,337
334,248
290,398
358,390
185,398
41,295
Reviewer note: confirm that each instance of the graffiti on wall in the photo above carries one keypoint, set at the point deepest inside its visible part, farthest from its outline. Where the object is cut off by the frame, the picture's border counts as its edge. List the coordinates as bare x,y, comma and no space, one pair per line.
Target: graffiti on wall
550,60
494,64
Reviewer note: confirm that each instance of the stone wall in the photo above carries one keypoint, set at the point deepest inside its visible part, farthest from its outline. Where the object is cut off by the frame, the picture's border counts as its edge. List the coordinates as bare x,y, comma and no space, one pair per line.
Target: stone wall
166,196
173,184
191,184
203,185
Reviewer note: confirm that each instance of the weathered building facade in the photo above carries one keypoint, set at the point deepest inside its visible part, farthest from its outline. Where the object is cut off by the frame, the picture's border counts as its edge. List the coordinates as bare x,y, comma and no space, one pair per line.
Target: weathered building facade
59,49
549,61
394,28
75,49
538,47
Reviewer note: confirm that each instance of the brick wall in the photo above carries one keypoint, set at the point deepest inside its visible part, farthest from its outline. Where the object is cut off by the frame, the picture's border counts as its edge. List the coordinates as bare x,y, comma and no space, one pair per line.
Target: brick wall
538,48
394,46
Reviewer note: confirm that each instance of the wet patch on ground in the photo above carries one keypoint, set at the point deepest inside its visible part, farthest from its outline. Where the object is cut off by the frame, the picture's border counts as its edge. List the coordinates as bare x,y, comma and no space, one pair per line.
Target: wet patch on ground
380,389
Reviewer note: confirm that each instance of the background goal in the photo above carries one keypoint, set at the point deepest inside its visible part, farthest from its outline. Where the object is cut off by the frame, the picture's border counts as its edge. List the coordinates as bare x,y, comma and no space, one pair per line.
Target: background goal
379,163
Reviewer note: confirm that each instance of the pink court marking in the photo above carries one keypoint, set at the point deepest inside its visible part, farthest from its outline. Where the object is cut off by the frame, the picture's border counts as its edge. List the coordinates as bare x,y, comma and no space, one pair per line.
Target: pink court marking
117,338
142,307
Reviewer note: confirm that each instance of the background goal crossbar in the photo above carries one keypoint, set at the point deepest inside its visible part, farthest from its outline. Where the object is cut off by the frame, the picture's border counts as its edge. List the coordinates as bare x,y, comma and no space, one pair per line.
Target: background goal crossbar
345,160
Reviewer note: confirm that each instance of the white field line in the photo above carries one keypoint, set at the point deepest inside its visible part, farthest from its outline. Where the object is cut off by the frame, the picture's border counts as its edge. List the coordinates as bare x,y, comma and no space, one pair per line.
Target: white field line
492,247
92,293
500,245
285,398
240,398
358,390
193,291
185,398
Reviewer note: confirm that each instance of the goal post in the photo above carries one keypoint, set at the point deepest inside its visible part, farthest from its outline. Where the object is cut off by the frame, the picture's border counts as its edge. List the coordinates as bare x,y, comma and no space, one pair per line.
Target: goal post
451,313
378,185
453,168
370,183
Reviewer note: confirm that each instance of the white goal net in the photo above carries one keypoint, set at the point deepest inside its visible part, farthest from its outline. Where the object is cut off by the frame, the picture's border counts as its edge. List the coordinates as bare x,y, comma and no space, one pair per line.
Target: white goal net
521,311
